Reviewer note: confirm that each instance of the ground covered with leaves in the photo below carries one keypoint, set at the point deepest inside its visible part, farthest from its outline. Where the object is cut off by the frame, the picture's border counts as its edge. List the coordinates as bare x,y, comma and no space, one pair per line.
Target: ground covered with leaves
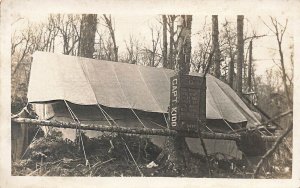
122,155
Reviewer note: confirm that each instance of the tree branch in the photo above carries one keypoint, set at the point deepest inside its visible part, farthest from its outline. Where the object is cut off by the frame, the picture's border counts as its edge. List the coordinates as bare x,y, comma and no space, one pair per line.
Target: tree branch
271,151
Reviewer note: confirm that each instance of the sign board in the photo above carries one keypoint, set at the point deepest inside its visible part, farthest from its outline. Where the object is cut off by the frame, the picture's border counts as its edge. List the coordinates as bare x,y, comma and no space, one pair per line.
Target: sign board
187,102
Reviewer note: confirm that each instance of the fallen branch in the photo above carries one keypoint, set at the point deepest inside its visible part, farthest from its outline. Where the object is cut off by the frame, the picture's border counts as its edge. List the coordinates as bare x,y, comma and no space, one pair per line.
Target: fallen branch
267,122
33,172
98,164
278,117
248,102
126,130
205,152
271,151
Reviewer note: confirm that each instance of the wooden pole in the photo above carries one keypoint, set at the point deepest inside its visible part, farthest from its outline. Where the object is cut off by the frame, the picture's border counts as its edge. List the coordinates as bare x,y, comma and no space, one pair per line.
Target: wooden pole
126,130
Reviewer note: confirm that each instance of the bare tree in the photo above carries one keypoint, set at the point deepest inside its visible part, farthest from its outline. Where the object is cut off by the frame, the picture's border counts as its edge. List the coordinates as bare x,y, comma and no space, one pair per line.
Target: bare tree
249,84
150,54
68,27
132,48
172,51
104,46
230,51
48,34
202,50
24,44
15,42
155,42
215,46
165,42
109,25
33,37
178,152
240,55
87,35
279,29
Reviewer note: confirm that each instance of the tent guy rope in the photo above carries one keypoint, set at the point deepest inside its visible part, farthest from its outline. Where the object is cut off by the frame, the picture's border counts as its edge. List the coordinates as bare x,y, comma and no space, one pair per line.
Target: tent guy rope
75,119
102,110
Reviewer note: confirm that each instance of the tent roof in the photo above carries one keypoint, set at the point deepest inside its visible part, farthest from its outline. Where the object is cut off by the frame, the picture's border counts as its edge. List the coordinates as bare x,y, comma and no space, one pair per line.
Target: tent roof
120,85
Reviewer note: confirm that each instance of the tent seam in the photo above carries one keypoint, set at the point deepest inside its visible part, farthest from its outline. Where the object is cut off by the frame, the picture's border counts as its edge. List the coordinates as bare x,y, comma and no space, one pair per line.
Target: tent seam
155,101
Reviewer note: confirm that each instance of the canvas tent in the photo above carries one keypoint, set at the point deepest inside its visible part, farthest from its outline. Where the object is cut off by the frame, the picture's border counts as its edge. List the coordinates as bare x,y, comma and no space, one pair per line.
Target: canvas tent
121,89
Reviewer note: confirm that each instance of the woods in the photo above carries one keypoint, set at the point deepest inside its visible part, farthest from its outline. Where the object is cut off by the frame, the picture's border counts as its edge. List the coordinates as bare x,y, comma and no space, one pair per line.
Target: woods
228,46
224,48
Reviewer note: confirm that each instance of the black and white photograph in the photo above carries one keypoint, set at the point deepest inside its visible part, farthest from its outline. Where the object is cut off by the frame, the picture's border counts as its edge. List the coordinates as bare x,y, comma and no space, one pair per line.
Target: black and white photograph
167,94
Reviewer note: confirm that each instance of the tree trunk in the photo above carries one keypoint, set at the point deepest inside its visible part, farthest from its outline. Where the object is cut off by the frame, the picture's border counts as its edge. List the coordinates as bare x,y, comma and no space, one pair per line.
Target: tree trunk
136,131
249,84
231,72
240,54
179,154
184,46
188,45
87,35
171,46
165,42
109,25
19,137
215,46
283,72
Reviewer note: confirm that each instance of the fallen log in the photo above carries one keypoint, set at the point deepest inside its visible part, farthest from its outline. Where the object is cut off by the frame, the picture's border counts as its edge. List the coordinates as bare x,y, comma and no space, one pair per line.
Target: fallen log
126,130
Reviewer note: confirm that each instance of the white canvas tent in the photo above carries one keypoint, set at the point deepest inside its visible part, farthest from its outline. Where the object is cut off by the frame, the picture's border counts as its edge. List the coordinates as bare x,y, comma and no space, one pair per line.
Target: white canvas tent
121,89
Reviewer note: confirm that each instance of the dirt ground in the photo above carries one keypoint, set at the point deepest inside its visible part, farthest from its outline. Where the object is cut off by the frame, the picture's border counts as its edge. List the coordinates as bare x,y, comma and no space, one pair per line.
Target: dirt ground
123,155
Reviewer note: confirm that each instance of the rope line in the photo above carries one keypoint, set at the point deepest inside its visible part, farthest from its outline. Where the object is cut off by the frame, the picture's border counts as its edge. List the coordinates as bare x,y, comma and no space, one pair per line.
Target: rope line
168,126
133,158
130,106
209,129
30,143
77,131
80,137
123,141
102,110
138,118
158,124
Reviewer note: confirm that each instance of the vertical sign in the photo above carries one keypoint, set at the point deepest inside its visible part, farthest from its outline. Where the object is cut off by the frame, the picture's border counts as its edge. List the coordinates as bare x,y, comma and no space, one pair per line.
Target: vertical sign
187,102
173,111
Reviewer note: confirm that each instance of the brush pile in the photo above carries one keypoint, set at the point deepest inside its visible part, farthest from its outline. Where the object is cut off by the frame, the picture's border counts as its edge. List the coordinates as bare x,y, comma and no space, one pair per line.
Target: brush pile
106,155
115,155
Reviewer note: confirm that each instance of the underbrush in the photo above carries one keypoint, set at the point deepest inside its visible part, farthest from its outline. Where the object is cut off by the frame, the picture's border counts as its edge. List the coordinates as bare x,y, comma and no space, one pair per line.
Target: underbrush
129,155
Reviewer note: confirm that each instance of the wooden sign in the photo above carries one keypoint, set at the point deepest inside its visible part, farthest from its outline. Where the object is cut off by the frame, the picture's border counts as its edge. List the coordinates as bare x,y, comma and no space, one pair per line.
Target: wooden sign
187,102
